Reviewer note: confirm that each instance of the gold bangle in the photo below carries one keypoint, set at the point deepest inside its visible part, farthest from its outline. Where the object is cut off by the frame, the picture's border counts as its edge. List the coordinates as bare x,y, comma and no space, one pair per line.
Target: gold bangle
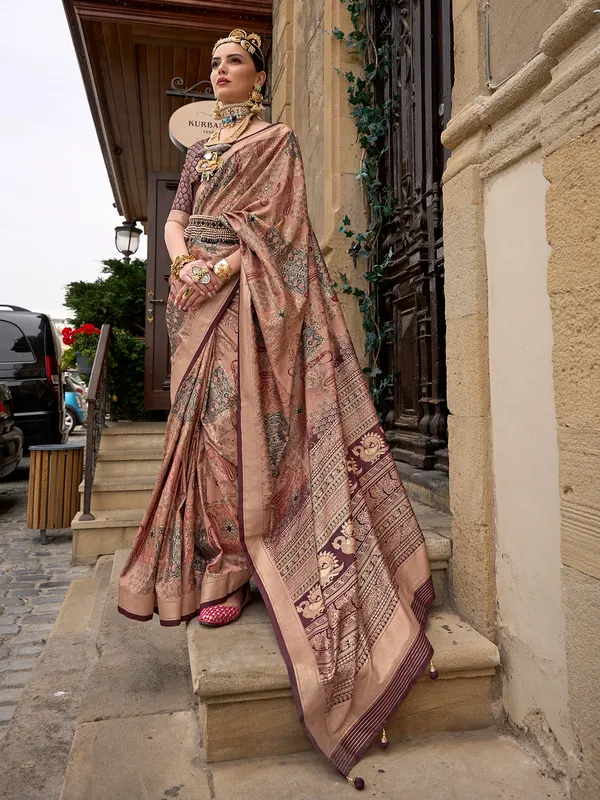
179,262
222,270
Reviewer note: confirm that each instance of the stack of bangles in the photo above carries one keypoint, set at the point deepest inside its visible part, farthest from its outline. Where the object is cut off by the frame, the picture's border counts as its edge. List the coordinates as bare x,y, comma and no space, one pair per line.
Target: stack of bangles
200,274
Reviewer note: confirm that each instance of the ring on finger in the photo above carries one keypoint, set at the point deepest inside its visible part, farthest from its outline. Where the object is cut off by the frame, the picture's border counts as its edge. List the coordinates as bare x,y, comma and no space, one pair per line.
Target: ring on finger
200,275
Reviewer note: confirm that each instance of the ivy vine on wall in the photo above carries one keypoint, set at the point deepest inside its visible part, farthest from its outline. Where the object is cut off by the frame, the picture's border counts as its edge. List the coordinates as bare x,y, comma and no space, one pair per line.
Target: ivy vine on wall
372,121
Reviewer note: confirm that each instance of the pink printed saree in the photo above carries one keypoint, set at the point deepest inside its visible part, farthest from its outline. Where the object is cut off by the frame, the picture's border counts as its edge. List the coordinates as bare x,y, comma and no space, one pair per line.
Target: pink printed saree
276,467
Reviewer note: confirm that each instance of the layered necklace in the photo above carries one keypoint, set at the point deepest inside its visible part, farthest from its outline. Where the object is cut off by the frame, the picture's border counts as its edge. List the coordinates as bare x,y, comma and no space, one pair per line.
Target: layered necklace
236,118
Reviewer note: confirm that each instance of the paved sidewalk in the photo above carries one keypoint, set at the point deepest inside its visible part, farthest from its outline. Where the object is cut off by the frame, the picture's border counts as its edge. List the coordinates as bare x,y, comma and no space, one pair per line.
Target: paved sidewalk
34,579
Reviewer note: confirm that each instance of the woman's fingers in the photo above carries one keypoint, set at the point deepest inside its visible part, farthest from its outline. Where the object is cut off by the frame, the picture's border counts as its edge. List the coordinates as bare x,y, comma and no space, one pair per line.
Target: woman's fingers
192,298
190,294
197,303
200,270
179,296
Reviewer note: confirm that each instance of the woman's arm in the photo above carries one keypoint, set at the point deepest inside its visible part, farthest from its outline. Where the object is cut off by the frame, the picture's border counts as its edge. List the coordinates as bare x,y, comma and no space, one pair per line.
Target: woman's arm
175,242
174,238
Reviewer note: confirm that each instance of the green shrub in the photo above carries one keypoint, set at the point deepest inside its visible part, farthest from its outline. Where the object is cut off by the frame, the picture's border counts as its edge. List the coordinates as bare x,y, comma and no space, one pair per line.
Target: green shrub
126,376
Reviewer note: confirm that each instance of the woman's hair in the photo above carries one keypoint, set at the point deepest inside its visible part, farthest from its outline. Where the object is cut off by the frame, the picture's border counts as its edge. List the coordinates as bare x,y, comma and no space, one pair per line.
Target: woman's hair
258,63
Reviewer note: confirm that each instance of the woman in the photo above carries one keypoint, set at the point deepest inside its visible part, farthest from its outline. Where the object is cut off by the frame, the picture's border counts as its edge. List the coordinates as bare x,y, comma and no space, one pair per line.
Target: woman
275,464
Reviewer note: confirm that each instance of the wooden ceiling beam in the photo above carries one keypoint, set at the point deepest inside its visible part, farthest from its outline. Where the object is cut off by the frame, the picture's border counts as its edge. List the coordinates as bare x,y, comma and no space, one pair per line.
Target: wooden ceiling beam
198,14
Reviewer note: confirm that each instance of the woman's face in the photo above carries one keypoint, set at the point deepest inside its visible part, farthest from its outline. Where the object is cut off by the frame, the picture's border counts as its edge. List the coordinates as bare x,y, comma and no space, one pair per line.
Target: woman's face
233,64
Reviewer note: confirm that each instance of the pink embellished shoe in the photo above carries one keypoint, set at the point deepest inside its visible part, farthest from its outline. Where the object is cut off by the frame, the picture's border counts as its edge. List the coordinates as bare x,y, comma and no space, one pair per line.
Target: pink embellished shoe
217,616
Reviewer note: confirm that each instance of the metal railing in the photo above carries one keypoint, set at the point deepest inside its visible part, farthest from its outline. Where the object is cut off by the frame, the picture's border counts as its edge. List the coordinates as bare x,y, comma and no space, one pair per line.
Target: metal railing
97,399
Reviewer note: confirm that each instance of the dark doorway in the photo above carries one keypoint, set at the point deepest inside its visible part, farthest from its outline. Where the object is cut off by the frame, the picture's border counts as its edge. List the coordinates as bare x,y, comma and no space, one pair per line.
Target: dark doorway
161,192
412,292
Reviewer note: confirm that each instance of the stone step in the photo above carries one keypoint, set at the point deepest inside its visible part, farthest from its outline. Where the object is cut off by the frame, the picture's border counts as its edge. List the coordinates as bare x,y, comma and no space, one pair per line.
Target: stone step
125,493
479,765
133,436
139,690
36,748
108,532
428,486
128,463
246,704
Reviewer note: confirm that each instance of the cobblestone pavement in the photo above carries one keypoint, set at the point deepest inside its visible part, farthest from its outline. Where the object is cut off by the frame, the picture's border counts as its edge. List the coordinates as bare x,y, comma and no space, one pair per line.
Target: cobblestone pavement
34,579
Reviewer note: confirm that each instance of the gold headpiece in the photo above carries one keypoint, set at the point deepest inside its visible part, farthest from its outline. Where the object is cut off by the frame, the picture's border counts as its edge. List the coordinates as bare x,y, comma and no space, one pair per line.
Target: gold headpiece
249,41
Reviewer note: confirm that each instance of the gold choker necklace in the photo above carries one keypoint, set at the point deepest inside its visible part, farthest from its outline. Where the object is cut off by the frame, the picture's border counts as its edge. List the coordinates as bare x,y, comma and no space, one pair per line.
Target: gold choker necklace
234,113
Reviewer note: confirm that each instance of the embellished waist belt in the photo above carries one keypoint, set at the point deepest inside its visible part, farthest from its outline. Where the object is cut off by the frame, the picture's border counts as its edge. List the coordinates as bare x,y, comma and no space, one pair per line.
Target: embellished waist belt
210,229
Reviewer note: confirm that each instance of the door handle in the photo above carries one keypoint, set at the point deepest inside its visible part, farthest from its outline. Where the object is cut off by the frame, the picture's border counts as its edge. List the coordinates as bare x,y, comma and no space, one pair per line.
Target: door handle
152,301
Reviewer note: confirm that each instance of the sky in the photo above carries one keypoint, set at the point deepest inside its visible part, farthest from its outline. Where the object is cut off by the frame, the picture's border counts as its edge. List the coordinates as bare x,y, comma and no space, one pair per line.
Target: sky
57,217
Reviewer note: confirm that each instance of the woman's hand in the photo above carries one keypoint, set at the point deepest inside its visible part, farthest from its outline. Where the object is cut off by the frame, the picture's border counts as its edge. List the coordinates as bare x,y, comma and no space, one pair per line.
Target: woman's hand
198,292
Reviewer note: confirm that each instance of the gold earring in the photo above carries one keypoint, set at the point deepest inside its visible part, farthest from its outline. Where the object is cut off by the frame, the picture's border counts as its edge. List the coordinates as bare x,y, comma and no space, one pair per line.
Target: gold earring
255,99
218,110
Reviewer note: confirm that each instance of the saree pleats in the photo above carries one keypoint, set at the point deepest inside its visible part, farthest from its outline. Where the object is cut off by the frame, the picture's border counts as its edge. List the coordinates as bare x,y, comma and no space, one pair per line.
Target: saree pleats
276,466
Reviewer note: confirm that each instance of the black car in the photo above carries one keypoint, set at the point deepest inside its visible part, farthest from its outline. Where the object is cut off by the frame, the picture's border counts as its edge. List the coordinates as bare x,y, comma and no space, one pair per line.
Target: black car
11,437
30,366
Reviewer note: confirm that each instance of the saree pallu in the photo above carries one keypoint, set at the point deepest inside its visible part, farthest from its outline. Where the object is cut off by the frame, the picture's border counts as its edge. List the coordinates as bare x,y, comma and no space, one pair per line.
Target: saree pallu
276,466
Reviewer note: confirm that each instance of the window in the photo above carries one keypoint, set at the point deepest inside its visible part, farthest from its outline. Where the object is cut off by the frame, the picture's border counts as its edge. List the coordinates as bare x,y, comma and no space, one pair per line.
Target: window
14,347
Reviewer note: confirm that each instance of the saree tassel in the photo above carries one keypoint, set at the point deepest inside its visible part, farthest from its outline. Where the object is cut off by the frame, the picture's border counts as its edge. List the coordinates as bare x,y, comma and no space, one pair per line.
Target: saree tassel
384,744
433,673
358,782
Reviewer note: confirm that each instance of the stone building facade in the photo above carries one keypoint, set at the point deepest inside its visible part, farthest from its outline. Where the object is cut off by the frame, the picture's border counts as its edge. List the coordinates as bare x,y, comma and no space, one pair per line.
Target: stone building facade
521,213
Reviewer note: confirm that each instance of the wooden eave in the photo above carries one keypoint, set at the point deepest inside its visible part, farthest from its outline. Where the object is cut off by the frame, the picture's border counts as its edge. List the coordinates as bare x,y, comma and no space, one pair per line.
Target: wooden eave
128,52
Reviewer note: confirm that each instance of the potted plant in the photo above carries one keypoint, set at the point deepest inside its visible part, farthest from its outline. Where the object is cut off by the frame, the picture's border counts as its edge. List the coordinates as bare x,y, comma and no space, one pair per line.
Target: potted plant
84,341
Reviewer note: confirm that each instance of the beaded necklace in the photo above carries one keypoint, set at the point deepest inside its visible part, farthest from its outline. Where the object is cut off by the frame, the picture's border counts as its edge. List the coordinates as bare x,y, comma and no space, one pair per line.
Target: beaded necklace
211,158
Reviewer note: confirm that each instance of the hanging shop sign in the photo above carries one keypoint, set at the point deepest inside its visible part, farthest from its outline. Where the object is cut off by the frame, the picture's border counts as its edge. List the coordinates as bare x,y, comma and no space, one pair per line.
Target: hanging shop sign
192,122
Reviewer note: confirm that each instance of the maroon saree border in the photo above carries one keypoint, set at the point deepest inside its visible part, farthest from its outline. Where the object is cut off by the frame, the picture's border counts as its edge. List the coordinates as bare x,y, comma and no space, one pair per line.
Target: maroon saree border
209,330
419,654
165,623
354,744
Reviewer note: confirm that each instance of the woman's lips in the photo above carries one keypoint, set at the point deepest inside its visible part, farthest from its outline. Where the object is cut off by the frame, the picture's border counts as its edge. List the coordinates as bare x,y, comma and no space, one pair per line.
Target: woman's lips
222,80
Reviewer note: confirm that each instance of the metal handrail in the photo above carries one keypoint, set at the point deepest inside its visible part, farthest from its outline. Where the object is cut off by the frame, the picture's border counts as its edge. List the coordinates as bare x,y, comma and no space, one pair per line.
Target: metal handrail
97,400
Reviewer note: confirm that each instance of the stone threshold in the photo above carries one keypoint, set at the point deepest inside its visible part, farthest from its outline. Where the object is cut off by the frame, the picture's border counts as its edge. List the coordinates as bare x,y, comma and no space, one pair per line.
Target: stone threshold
427,486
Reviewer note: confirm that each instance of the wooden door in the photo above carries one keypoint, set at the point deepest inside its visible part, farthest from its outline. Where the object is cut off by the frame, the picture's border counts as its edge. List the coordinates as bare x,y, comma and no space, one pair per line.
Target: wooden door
161,192
412,292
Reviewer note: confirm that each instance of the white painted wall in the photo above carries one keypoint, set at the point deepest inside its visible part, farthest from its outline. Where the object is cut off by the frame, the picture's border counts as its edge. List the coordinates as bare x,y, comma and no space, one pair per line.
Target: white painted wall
525,453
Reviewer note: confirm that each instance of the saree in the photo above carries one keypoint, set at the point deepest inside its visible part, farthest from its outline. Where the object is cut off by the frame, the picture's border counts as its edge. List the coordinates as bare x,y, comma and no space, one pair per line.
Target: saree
275,464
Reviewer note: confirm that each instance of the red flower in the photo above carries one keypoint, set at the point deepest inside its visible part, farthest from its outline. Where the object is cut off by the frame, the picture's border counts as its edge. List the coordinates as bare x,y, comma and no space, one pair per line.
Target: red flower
87,328
67,336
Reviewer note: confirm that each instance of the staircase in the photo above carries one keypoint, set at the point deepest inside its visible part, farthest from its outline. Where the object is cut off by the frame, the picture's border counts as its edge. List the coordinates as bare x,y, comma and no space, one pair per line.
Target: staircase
128,463
239,677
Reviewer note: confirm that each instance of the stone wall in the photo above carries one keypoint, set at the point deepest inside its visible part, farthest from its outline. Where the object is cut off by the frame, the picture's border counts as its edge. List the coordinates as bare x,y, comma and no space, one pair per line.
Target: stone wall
523,288
572,166
530,617
515,32
310,96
